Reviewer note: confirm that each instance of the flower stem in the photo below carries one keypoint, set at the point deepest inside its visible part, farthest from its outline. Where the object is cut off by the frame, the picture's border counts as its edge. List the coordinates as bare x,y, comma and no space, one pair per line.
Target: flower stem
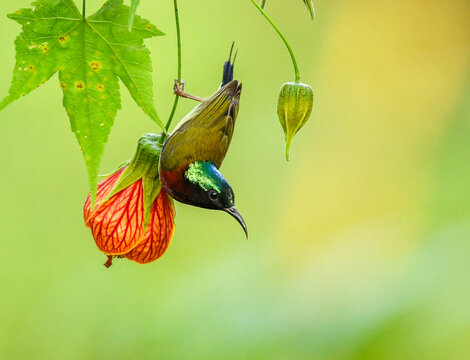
178,39
294,62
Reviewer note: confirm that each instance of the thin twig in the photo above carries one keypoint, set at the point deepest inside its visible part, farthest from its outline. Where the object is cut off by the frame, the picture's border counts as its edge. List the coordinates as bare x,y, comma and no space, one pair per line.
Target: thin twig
178,39
294,61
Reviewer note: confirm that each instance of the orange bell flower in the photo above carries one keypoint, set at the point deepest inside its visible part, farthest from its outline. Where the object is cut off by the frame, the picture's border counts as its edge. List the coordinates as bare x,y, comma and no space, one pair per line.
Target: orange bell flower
133,217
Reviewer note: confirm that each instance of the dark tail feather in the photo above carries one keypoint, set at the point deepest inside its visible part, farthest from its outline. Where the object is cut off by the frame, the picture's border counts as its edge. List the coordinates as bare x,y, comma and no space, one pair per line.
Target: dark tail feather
228,67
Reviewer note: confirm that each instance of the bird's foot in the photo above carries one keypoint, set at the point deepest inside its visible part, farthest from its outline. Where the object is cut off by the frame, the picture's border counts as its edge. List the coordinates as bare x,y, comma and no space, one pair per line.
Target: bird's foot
178,89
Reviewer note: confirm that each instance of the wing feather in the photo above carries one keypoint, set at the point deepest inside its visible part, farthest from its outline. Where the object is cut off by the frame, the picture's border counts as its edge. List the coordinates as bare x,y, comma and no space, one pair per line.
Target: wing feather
206,132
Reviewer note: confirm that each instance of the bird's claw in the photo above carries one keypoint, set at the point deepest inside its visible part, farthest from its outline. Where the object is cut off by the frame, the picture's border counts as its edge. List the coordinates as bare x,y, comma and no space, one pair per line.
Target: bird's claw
178,89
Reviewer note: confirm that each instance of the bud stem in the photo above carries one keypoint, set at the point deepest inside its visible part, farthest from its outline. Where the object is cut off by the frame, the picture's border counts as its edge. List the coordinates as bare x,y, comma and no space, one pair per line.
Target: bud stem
178,41
296,67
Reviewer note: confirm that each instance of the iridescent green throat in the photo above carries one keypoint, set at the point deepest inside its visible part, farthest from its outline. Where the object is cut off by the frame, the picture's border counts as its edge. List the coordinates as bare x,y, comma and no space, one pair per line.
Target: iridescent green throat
206,175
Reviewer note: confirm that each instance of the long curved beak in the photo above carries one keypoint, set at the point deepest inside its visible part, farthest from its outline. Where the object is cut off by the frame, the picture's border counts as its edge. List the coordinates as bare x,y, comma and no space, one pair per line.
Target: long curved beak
234,212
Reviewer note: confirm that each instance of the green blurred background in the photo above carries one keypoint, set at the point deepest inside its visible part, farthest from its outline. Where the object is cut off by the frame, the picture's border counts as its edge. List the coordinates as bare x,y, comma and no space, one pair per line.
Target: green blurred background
359,247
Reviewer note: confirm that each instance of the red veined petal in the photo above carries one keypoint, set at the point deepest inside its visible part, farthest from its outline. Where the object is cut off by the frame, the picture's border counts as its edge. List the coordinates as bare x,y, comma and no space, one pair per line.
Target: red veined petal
104,188
117,224
159,232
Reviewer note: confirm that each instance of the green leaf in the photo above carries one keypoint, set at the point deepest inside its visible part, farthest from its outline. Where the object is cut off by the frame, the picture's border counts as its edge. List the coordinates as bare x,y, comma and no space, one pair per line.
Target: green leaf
134,4
90,55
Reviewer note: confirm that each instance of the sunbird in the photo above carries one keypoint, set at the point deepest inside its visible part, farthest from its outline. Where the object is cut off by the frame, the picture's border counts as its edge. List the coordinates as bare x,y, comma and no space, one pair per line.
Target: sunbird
192,155
134,216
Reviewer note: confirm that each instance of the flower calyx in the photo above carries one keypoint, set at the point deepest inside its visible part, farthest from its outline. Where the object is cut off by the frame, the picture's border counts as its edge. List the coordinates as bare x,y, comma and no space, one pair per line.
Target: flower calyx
143,166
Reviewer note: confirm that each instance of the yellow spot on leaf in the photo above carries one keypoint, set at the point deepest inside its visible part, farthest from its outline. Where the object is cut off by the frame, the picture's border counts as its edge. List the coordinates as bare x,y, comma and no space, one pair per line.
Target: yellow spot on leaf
44,47
79,85
100,87
96,65
62,85
64,39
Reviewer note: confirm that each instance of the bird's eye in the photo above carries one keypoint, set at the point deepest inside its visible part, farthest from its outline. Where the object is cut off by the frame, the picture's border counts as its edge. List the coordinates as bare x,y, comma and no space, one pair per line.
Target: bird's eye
213,195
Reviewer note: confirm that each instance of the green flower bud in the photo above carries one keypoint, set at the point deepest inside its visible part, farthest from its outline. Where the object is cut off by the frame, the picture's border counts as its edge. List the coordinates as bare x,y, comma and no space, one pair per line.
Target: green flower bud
310,7
294,106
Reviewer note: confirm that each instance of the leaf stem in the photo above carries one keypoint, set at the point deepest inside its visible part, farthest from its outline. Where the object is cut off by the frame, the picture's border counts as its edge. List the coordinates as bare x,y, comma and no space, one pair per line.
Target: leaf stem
294,61
263,4
84,10
178,40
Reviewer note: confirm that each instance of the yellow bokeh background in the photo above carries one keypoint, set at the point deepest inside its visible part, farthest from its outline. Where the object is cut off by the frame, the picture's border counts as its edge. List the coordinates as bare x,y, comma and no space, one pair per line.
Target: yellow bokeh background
359,246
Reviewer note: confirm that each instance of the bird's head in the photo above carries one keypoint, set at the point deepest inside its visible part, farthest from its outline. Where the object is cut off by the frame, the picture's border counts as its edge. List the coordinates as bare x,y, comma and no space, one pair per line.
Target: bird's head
210,190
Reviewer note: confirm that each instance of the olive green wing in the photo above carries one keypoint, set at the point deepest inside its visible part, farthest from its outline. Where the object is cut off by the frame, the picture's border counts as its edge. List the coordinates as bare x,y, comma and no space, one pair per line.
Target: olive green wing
205,133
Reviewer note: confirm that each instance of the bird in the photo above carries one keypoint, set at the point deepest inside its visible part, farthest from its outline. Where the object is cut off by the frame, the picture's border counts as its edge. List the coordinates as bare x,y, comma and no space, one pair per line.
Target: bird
193,153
